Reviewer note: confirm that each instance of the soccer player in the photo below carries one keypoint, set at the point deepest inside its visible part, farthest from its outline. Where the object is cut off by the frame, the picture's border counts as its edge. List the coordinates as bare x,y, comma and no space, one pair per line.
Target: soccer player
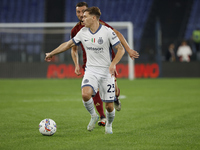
80,8
100,69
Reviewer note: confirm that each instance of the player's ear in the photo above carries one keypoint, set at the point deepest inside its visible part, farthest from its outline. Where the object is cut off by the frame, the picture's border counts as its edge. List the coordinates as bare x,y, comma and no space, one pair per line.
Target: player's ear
94,17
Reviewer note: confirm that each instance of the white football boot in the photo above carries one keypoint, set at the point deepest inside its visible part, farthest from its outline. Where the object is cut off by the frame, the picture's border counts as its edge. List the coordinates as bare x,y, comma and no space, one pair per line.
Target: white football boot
92,122
108,129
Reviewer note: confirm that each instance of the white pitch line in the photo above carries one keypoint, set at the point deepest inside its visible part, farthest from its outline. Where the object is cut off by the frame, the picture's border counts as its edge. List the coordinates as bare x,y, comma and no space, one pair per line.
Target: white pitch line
122,96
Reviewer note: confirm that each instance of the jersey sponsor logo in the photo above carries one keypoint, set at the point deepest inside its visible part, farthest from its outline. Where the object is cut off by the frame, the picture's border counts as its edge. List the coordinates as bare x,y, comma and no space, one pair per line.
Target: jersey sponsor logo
100,40
85,40
95,49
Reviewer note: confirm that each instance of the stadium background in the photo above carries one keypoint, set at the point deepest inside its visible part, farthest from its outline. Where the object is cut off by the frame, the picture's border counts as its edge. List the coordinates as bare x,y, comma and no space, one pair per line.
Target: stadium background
177,19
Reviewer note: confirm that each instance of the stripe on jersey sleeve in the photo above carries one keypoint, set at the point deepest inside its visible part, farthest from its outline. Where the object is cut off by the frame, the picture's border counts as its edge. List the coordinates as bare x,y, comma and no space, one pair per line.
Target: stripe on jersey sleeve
75,42
116,43
110,52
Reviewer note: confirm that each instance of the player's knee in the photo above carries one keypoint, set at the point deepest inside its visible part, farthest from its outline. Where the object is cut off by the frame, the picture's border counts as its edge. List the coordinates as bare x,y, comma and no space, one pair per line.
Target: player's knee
109,107
86,93
86,96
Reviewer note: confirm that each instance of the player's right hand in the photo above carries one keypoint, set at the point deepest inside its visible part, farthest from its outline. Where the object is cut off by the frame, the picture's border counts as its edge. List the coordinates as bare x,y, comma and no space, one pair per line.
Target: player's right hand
77,70
48,57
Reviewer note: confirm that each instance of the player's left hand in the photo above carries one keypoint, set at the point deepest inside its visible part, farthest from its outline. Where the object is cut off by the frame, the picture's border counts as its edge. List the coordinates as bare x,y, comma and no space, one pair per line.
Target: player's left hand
133,54
112,70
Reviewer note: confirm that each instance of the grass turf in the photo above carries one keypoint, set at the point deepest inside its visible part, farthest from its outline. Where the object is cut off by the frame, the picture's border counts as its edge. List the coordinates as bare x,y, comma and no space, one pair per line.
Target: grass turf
156,114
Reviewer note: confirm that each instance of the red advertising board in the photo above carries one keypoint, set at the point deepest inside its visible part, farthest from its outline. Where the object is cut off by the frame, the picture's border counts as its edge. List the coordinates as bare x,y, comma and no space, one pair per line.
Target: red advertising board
67,71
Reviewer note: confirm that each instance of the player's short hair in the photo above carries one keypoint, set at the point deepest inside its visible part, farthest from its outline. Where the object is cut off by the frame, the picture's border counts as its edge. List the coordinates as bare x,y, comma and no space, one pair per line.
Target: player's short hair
81,4
94,11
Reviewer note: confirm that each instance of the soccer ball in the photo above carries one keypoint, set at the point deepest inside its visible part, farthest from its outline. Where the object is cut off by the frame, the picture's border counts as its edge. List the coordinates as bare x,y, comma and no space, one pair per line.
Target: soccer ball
47,127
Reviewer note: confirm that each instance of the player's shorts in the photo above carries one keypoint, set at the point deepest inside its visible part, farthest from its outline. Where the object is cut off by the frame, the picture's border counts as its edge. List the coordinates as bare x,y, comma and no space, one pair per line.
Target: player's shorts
105,85
84,65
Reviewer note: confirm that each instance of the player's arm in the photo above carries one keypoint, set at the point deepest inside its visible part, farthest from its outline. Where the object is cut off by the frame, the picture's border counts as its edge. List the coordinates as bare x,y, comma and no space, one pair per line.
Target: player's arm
132,53
63,47
118,56
74,54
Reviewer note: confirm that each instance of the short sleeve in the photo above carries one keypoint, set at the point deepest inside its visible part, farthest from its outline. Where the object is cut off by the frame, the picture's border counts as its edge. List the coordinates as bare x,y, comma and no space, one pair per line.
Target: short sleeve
114,40
77,38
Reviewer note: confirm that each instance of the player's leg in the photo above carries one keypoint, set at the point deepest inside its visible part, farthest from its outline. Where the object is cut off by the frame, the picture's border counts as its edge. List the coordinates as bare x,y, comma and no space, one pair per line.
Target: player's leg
87,99
110,115
107,94
88,89
117,102
99,106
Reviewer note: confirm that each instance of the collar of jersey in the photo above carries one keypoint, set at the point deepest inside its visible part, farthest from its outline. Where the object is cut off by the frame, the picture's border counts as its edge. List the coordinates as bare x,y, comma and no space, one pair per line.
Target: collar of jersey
97,29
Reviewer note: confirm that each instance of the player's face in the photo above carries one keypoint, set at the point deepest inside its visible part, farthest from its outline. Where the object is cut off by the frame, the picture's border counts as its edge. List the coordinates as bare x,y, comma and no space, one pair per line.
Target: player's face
87,19
80,11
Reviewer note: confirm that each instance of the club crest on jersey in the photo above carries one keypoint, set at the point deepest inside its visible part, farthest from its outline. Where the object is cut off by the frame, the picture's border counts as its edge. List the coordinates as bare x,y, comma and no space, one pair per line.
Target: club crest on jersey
100,40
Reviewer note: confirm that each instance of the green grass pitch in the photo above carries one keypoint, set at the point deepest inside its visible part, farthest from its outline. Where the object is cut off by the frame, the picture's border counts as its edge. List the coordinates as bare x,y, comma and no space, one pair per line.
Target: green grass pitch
157,114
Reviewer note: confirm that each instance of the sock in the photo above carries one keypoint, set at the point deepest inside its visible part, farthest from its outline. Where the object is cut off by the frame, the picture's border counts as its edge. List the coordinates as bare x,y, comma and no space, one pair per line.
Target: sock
99,105
89,105
117,94
110,117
